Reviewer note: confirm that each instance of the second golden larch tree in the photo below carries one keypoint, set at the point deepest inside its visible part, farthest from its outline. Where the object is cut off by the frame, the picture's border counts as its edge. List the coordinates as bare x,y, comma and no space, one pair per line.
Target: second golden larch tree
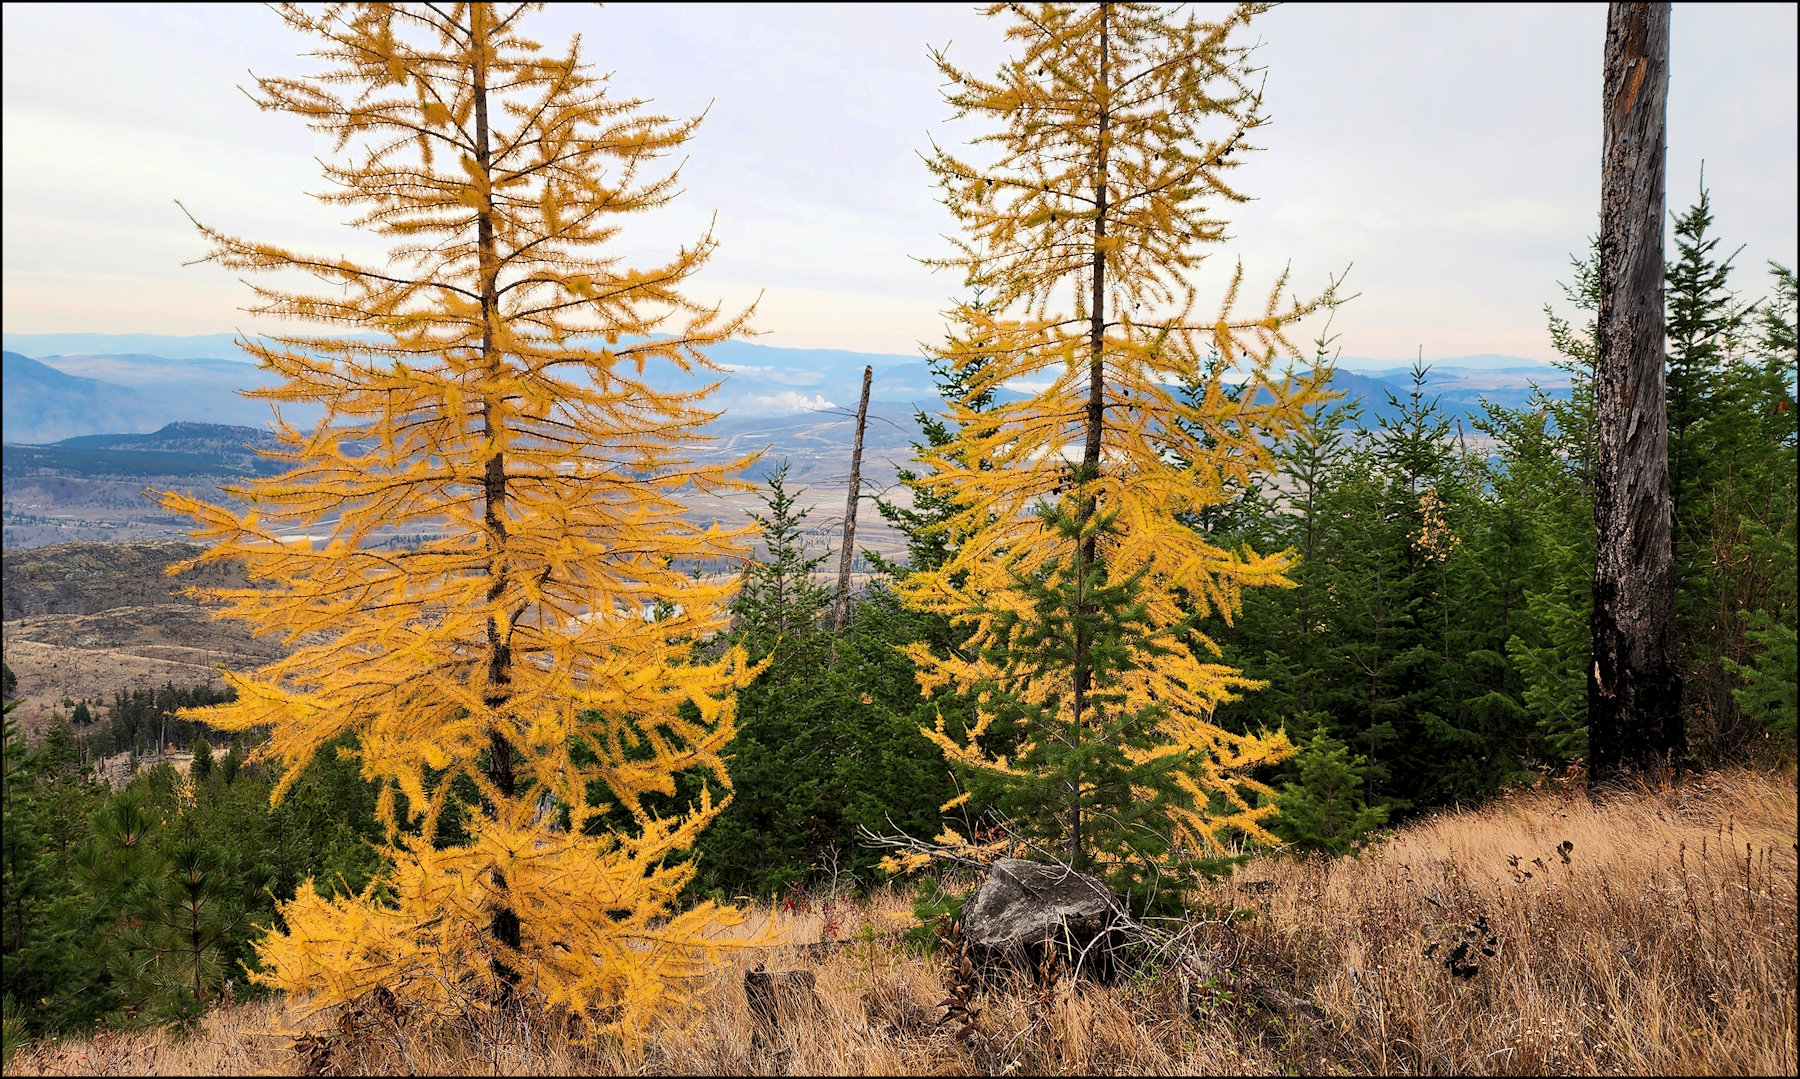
1084,236
496,397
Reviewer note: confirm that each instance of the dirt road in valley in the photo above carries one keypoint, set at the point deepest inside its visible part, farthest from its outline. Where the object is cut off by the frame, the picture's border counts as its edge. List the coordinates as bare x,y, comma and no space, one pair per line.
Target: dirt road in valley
84,620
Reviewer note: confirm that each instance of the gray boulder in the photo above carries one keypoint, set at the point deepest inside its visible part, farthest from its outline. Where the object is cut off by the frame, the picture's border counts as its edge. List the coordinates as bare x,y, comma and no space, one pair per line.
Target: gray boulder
1028,917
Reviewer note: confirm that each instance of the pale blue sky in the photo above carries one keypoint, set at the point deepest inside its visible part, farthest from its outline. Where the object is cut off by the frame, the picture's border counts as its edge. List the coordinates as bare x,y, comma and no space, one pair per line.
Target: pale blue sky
1451,153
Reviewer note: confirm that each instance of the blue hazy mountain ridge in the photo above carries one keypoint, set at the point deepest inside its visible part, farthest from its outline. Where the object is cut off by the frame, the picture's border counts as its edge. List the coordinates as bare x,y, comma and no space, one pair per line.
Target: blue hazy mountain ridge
758,380
136,383
43,403
218,346
223,346
131,394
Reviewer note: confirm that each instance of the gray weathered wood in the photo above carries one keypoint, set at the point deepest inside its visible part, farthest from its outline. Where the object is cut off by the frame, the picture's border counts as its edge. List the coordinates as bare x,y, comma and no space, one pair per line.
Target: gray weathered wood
1024,909
849,551
1634,689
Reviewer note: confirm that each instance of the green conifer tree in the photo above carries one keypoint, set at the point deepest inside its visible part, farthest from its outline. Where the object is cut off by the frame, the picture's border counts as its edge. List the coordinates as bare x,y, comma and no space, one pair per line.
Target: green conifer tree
47,949
824,749
202,765
1540,509
23,873
1324,808
180,920
234,758
1116,769
1705,322
1732,481
1752,525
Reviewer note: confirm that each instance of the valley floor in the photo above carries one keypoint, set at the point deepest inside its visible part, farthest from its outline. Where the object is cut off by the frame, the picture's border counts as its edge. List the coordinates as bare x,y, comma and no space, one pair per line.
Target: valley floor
1650,932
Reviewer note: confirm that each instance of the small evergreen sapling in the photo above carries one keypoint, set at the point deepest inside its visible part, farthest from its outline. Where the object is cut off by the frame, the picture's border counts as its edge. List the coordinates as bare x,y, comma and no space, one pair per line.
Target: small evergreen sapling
1325,808
1111,766
202,765
180,922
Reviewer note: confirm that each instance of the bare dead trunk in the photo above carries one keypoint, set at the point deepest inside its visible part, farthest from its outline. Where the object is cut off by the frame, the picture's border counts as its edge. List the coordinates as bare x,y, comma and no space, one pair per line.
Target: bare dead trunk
849,551
1634,688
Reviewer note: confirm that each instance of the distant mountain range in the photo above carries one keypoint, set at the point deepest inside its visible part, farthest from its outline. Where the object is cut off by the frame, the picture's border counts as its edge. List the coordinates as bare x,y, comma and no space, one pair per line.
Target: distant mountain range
177,449
43,403
69,396
66,386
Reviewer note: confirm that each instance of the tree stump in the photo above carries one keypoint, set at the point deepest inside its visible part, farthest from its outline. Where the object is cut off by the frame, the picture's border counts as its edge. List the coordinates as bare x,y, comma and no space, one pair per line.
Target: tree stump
1030,917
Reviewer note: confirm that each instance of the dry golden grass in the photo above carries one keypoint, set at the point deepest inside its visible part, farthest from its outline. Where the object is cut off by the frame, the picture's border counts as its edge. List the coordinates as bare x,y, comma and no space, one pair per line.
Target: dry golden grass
1665,944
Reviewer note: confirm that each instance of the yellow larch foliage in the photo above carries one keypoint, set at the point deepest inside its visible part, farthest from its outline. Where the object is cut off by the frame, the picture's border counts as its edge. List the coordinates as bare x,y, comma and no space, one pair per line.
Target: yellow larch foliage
1083,238
498,398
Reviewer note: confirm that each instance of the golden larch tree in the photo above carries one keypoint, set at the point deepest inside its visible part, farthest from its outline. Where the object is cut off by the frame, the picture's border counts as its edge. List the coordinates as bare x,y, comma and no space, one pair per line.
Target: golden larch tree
1111,136
506,680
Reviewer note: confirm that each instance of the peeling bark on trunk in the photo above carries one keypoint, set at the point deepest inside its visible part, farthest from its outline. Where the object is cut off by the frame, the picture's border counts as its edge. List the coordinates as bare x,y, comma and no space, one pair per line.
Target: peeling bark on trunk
1634,689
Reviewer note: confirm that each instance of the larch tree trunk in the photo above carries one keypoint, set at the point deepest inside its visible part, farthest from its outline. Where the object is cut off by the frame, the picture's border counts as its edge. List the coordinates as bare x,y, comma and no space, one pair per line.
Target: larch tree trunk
505,926
1634,688
849,551
1088,548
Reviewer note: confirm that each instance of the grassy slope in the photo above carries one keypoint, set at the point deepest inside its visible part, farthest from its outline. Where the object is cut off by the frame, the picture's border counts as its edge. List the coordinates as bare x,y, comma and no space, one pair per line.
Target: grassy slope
1664,945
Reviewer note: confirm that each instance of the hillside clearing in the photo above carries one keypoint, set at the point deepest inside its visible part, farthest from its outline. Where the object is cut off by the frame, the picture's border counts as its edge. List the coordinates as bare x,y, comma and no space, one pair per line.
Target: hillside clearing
1663,944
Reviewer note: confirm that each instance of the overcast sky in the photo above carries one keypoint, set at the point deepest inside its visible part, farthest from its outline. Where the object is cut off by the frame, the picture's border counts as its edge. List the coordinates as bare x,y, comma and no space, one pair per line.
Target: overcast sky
1451,153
